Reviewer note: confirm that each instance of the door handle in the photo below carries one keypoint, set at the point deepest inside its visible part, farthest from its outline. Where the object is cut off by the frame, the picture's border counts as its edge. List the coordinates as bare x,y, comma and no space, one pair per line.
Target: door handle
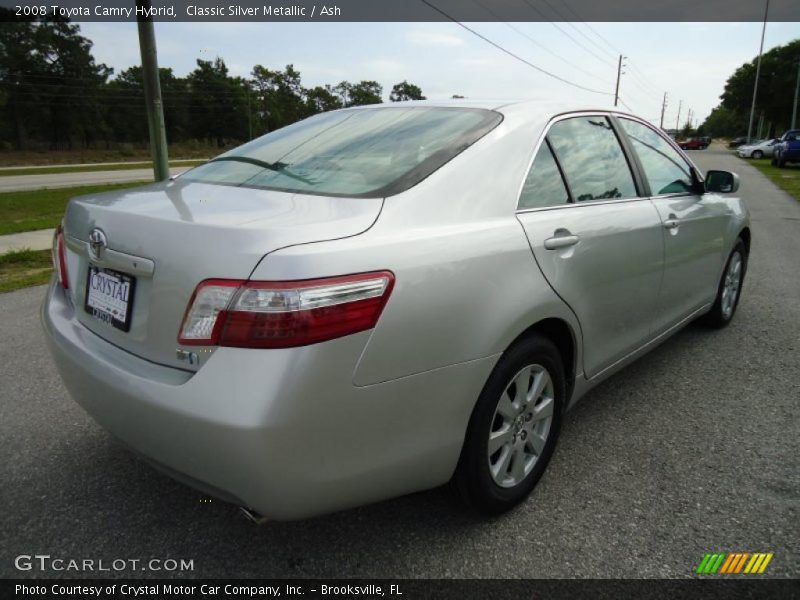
561,241
671,223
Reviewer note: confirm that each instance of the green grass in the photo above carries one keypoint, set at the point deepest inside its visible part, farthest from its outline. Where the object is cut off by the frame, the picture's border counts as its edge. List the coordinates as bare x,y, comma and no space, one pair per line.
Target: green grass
23,268
788,178
89,169
42,209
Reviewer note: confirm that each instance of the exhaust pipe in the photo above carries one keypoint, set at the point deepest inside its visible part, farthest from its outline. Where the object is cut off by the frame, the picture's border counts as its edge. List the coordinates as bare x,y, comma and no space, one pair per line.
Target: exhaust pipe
253,516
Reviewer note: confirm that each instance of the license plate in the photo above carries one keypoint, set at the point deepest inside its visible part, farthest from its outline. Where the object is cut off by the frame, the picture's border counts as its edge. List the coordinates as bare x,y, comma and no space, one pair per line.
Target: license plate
109,296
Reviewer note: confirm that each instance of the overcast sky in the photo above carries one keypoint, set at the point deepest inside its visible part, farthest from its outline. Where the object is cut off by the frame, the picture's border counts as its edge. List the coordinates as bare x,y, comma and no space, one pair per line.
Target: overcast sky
691,61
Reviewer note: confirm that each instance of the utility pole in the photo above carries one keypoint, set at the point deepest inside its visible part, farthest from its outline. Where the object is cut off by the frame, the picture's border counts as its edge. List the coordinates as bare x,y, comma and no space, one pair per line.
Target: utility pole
760,124
678,118
758,72
796,90
152,94
619,76
663,108
249,115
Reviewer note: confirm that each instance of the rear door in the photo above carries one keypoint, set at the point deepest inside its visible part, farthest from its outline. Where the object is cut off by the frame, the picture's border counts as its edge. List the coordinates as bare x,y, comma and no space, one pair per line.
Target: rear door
595,239
693,225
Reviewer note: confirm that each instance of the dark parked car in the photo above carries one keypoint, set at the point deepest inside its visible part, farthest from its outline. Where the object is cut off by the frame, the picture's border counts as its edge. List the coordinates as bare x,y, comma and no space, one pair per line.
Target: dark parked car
736,142
787,149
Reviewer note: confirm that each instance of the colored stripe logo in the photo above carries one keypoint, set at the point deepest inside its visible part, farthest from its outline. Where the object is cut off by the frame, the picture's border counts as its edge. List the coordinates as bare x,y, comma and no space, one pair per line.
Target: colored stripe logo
734,563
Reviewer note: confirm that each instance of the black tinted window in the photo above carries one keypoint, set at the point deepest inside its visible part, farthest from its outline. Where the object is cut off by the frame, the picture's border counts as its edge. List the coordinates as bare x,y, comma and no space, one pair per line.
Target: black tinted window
664,167
592,158
363,152
543,186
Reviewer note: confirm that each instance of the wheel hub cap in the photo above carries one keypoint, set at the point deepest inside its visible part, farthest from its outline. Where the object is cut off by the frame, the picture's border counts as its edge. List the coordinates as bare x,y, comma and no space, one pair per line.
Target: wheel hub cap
731,284
521,425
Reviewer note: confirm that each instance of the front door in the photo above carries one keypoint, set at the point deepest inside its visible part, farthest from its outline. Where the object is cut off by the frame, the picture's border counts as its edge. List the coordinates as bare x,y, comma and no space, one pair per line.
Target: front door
693,226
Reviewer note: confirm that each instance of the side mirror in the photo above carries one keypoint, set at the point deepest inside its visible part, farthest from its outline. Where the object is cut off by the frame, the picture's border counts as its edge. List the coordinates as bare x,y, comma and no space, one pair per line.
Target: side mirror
723,182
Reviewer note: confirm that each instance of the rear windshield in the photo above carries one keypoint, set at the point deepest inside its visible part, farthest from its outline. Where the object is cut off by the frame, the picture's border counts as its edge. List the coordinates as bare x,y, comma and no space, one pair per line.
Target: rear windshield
370,152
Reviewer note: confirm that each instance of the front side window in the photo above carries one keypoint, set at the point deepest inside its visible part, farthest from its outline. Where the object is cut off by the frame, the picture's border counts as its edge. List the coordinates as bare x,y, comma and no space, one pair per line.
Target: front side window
543,186
592,159
666,170
371,152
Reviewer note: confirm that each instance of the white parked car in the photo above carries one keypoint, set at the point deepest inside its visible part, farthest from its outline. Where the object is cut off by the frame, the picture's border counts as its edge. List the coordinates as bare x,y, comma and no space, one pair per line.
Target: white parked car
758,149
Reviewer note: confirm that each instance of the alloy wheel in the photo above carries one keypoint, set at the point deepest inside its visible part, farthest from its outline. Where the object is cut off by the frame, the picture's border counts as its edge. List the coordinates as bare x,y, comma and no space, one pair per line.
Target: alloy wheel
521,425
733,281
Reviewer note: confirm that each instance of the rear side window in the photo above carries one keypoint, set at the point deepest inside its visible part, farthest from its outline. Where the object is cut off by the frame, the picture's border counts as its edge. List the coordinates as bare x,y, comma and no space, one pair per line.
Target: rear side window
666,170
543,186
370,152
592,159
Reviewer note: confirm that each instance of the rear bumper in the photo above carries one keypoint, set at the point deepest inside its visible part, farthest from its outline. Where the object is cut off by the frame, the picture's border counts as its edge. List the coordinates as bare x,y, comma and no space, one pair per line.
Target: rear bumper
284,432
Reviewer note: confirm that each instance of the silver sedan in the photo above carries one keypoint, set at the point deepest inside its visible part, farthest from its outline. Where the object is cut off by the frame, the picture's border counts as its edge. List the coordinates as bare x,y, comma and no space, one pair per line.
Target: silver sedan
758,149
384,299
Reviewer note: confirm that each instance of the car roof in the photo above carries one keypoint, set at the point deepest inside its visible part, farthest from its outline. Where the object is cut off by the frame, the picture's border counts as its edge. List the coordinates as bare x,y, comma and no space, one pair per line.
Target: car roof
534,109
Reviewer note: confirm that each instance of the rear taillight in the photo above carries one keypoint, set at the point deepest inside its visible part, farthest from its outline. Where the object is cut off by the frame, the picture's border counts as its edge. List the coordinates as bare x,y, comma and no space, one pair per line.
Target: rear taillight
60,257
270,314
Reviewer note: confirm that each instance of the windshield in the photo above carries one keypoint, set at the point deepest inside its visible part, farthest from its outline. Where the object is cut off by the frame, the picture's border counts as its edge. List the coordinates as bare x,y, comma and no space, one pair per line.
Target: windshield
372,152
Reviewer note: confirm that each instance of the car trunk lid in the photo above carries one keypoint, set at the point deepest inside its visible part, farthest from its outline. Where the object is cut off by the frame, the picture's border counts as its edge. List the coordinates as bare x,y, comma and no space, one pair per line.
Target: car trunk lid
166,238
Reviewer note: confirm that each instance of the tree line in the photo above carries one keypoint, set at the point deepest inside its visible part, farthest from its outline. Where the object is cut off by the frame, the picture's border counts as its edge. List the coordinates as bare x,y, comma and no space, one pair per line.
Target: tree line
54,94
776,88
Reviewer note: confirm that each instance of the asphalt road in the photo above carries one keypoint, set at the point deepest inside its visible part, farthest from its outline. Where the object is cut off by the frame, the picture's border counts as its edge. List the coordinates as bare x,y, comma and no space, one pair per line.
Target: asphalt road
695,448
16,183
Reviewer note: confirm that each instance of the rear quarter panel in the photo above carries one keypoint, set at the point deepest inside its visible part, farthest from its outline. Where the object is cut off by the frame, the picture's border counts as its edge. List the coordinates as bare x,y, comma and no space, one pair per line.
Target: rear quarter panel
466,281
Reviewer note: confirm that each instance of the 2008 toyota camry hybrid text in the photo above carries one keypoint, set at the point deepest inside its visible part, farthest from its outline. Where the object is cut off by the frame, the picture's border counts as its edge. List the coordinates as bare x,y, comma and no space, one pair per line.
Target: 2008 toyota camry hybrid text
380,300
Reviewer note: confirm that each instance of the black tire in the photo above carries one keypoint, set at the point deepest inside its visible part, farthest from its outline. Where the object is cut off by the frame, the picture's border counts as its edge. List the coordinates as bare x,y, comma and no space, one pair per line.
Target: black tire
473,479
716,317
781,162
758,154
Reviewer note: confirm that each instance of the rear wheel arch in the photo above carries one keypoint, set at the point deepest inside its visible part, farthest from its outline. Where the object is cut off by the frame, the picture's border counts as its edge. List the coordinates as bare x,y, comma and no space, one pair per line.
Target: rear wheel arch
561,334
475,479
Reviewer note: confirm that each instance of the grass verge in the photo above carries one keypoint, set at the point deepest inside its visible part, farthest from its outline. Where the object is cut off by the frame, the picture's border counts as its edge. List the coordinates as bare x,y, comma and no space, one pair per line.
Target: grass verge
788,178
92,168
42,209
23,268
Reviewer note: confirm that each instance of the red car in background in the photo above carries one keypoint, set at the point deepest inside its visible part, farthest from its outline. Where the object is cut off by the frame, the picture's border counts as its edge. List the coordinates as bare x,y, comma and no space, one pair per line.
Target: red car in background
693,144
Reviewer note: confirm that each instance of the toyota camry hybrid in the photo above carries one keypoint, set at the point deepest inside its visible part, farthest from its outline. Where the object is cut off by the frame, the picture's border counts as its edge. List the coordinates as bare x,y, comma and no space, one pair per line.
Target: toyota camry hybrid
383,299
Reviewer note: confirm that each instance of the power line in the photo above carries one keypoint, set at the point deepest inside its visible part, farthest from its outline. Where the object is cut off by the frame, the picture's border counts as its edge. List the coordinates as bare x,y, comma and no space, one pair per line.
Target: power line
621,101
643,78
519,58
643,90
544,16
592,29
638,75
590,40
539,45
